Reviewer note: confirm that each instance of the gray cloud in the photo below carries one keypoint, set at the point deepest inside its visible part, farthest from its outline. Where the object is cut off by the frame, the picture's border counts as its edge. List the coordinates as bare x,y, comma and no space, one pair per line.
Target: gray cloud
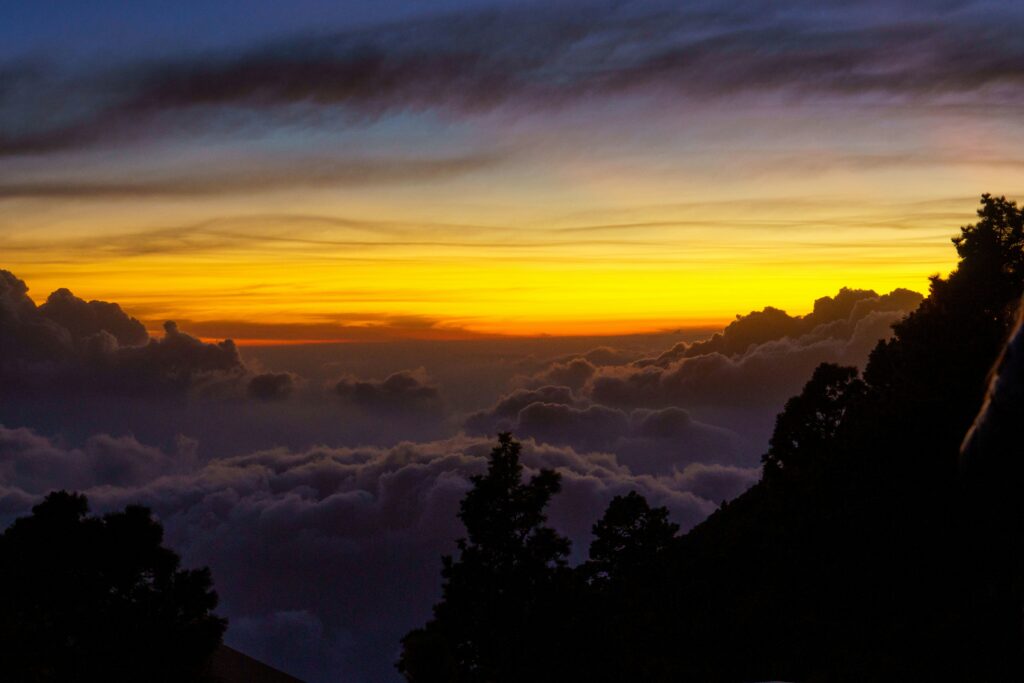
729,386
761,358
647,441
37,465
86,318
539,57
409,390
830,317
503,416
78,367
573,373
271,386
765,375
69,345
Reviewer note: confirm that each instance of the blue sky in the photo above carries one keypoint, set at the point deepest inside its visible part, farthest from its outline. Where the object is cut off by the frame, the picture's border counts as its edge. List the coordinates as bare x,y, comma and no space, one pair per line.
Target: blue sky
121,28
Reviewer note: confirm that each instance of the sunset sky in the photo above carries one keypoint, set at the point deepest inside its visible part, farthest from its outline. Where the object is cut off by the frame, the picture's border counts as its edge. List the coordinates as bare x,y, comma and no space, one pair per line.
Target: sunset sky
525,217
388,169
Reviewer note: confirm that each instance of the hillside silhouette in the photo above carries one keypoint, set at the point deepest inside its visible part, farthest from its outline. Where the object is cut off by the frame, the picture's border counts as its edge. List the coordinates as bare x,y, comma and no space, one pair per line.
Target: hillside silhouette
868,550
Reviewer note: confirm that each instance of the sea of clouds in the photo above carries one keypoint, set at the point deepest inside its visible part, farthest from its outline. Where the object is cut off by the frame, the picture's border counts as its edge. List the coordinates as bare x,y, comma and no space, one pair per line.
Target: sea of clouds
322,500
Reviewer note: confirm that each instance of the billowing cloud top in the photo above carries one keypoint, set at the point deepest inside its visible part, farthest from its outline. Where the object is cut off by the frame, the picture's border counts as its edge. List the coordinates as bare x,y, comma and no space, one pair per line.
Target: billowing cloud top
400,391
68,344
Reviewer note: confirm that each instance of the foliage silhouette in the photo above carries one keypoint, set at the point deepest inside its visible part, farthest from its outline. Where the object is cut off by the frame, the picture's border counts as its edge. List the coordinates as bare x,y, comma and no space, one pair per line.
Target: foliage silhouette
500,594
628,540
865,552
810,421
622,581
86,598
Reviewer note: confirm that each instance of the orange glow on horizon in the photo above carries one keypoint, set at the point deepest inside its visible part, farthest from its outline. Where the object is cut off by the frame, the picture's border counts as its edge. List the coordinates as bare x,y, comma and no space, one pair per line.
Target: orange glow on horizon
267,279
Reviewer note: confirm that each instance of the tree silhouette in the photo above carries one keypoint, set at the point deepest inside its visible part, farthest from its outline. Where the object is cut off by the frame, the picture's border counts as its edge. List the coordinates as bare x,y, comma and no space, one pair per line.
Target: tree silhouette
628,540
809,423
499,606
86,598
620,637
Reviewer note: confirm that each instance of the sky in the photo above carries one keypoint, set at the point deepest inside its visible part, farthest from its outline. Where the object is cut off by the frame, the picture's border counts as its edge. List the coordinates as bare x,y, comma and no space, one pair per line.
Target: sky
392,170
281,271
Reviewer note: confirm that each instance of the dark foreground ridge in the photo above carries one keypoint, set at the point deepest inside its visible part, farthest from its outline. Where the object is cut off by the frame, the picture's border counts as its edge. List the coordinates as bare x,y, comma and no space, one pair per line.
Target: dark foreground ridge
228,665
868,551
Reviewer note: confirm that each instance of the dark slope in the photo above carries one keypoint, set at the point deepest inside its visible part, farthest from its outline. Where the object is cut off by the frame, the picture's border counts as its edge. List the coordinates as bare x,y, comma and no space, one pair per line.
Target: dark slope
231,666
866,552
857,556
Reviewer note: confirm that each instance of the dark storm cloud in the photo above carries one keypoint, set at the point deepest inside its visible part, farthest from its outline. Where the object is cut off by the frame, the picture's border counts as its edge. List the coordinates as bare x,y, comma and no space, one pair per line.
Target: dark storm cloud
332,552
538,57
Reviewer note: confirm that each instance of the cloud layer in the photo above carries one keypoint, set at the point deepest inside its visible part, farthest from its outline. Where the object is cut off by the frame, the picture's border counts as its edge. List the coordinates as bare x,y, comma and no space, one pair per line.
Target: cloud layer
711,401
324,557
398,392
325,554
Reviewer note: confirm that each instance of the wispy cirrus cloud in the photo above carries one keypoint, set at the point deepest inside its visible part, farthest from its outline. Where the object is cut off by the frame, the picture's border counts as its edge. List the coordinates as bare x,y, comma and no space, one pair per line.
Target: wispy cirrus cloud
309,173
941,54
